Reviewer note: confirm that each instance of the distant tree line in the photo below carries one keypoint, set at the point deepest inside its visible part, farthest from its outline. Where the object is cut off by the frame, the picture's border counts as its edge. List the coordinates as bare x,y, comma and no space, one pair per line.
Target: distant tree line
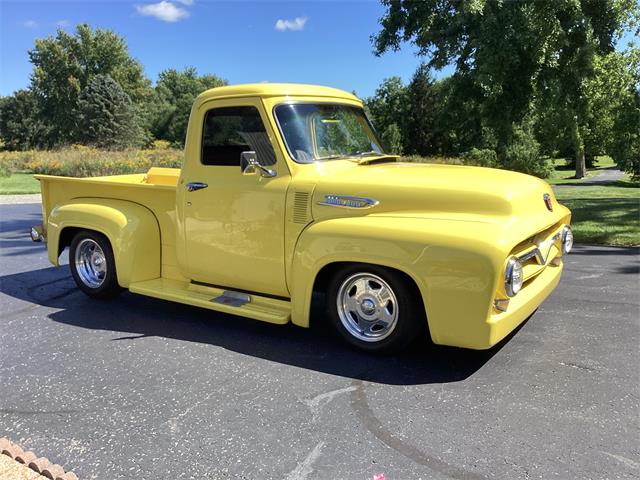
532,78
87,89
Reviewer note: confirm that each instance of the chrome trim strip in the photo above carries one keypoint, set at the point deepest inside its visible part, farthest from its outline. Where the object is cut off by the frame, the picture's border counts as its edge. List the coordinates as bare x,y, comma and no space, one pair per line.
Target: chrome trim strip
346,201
537,252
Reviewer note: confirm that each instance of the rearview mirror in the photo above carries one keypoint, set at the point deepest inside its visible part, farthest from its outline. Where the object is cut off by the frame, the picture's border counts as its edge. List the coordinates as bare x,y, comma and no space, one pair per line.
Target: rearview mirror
249,165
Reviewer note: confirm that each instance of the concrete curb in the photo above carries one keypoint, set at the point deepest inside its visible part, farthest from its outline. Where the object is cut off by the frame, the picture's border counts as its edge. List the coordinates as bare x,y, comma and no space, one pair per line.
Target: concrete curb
40,465
19,199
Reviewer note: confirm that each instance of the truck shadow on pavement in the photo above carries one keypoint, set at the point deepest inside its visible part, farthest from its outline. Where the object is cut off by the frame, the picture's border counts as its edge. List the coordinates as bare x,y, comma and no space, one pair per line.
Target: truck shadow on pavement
131,317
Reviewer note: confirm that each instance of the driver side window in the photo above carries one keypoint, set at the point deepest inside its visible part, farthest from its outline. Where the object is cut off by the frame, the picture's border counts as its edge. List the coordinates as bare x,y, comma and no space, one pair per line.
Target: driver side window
229,131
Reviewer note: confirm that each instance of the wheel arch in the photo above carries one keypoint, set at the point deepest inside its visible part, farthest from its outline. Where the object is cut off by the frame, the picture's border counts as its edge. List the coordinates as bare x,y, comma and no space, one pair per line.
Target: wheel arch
131,229
326,273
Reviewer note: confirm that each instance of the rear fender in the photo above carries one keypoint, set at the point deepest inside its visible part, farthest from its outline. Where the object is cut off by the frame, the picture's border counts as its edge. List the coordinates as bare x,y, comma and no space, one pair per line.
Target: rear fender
132,230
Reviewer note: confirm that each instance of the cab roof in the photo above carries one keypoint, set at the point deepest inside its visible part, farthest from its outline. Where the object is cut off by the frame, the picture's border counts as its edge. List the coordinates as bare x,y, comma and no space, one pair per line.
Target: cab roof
275,90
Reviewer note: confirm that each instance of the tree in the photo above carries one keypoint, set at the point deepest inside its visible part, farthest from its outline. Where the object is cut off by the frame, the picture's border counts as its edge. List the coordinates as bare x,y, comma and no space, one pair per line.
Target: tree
421,111
388,111
172,100
510,50
106,116
20,127
625,143
65,64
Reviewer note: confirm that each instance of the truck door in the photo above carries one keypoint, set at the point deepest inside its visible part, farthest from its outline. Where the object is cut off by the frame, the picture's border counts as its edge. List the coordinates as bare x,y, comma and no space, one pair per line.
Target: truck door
233,224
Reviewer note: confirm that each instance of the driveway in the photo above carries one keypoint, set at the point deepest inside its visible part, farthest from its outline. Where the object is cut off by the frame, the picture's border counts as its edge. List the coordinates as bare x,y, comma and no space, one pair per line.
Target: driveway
144,389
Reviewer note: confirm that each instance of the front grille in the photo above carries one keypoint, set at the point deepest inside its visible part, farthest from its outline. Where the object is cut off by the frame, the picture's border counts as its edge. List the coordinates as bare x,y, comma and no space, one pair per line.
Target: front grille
536,252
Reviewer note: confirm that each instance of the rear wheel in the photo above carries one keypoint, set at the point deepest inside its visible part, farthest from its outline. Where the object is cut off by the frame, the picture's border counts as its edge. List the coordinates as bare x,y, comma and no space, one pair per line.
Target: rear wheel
374,308
93,265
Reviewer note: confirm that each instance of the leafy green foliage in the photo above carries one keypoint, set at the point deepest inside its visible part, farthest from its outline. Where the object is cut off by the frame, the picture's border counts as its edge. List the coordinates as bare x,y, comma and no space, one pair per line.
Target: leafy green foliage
173,97
422,98
20,127
509,52
482,157
392,139
65,64
387,109
624,146
523,155
106,116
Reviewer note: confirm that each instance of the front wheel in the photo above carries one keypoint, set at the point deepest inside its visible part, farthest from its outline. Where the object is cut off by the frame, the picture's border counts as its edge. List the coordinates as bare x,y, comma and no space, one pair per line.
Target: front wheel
374,308
93,266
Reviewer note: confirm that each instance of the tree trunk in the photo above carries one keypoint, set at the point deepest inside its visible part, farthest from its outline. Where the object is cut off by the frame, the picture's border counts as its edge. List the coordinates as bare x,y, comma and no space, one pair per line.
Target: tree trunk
581,165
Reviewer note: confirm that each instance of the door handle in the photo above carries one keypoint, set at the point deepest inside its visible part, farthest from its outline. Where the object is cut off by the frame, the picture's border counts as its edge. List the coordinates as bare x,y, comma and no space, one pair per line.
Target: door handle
193,186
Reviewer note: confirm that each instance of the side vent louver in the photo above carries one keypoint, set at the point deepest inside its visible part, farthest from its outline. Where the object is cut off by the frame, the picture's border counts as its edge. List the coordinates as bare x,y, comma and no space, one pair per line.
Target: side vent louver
301,207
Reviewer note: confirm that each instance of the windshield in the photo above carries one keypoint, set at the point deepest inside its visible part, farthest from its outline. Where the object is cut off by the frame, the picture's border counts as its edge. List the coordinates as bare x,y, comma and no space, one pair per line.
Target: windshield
320,131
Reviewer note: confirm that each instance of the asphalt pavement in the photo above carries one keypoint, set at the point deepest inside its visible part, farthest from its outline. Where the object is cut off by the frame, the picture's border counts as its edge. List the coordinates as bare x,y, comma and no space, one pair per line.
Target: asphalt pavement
144,389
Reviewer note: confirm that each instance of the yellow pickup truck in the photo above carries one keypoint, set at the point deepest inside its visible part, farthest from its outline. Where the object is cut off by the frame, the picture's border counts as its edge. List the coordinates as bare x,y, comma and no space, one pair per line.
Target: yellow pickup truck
286,190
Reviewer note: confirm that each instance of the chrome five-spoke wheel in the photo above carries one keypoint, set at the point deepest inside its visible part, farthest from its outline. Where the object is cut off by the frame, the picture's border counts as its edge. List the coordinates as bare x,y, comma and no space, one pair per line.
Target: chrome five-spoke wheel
367,307
374,308
91,263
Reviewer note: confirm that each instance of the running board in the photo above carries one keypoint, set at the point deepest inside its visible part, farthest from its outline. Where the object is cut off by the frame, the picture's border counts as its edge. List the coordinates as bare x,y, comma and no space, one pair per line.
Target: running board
236,303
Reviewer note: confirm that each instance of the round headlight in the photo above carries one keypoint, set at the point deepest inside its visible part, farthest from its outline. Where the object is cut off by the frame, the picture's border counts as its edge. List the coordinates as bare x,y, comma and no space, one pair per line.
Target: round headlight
567,239
513,277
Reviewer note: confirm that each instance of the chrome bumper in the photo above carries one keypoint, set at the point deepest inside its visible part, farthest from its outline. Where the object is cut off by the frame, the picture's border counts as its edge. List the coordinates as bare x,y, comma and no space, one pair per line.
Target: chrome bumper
37,234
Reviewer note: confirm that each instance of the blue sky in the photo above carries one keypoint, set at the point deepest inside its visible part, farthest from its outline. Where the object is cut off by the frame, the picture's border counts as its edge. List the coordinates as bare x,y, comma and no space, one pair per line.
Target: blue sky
321,42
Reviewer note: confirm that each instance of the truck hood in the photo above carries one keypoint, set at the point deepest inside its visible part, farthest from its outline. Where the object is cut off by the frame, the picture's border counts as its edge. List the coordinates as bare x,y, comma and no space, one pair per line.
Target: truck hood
478,194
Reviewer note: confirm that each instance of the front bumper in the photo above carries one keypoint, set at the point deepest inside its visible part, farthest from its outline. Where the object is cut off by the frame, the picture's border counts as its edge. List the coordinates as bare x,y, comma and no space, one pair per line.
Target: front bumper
500,324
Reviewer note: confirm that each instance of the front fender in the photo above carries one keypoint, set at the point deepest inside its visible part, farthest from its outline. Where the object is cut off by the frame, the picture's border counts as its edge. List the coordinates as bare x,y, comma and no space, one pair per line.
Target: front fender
131,228
455,265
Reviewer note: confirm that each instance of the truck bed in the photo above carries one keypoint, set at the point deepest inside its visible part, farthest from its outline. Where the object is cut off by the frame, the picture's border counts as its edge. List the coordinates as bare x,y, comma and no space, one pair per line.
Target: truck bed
155,190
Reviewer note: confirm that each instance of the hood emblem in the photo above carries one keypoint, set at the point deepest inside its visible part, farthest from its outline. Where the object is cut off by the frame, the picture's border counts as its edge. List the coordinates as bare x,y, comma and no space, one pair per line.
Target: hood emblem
547,201
346,201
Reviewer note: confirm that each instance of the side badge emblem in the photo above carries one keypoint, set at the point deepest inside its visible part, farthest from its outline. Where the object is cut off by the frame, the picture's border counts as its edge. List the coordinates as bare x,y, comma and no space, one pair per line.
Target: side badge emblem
547,201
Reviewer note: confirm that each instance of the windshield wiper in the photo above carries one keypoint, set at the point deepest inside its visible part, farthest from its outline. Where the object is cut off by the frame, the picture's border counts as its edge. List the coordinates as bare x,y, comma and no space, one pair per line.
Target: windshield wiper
329,157
369,153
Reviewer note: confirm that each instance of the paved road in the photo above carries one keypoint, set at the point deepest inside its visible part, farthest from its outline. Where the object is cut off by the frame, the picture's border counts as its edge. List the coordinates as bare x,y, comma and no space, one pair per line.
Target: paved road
604,177
145,389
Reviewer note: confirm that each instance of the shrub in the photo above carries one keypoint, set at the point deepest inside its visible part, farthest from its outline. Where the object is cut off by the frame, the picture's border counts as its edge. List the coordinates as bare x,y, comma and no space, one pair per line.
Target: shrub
4,171
523,155
482,157
82,161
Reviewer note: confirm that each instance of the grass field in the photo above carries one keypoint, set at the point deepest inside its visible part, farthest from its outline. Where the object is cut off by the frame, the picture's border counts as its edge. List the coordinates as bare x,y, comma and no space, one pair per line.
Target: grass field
607,214
19,183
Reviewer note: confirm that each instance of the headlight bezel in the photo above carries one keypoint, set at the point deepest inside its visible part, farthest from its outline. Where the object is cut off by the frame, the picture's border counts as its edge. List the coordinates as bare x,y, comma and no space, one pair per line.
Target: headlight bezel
513,266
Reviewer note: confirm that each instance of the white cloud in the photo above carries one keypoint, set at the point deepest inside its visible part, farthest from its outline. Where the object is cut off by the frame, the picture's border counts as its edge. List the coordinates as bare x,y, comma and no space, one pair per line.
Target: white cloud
63,23
185,2
295,24
30,24
165,11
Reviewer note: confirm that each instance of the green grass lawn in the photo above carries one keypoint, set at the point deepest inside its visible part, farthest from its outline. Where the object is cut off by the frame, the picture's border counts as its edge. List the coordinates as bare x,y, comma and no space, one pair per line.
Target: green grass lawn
607,215
19,183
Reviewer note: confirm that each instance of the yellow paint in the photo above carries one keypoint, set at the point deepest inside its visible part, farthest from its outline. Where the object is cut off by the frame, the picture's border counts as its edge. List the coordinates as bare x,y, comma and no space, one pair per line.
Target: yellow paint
450,229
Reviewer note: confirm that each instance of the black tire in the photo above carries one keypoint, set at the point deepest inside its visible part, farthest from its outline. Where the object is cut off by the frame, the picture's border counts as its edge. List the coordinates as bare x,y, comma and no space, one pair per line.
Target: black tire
410,315
108,283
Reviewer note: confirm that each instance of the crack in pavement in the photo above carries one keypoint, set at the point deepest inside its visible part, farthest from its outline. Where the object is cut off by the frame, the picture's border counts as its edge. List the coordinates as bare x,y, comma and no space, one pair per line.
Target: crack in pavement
361,408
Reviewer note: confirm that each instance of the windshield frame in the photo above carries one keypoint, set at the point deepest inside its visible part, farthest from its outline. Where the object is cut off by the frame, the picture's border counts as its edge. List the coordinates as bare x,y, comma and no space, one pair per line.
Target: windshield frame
314,102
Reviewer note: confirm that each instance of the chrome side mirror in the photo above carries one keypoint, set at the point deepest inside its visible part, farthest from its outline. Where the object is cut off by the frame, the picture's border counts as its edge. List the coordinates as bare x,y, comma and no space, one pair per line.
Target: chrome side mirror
249,165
